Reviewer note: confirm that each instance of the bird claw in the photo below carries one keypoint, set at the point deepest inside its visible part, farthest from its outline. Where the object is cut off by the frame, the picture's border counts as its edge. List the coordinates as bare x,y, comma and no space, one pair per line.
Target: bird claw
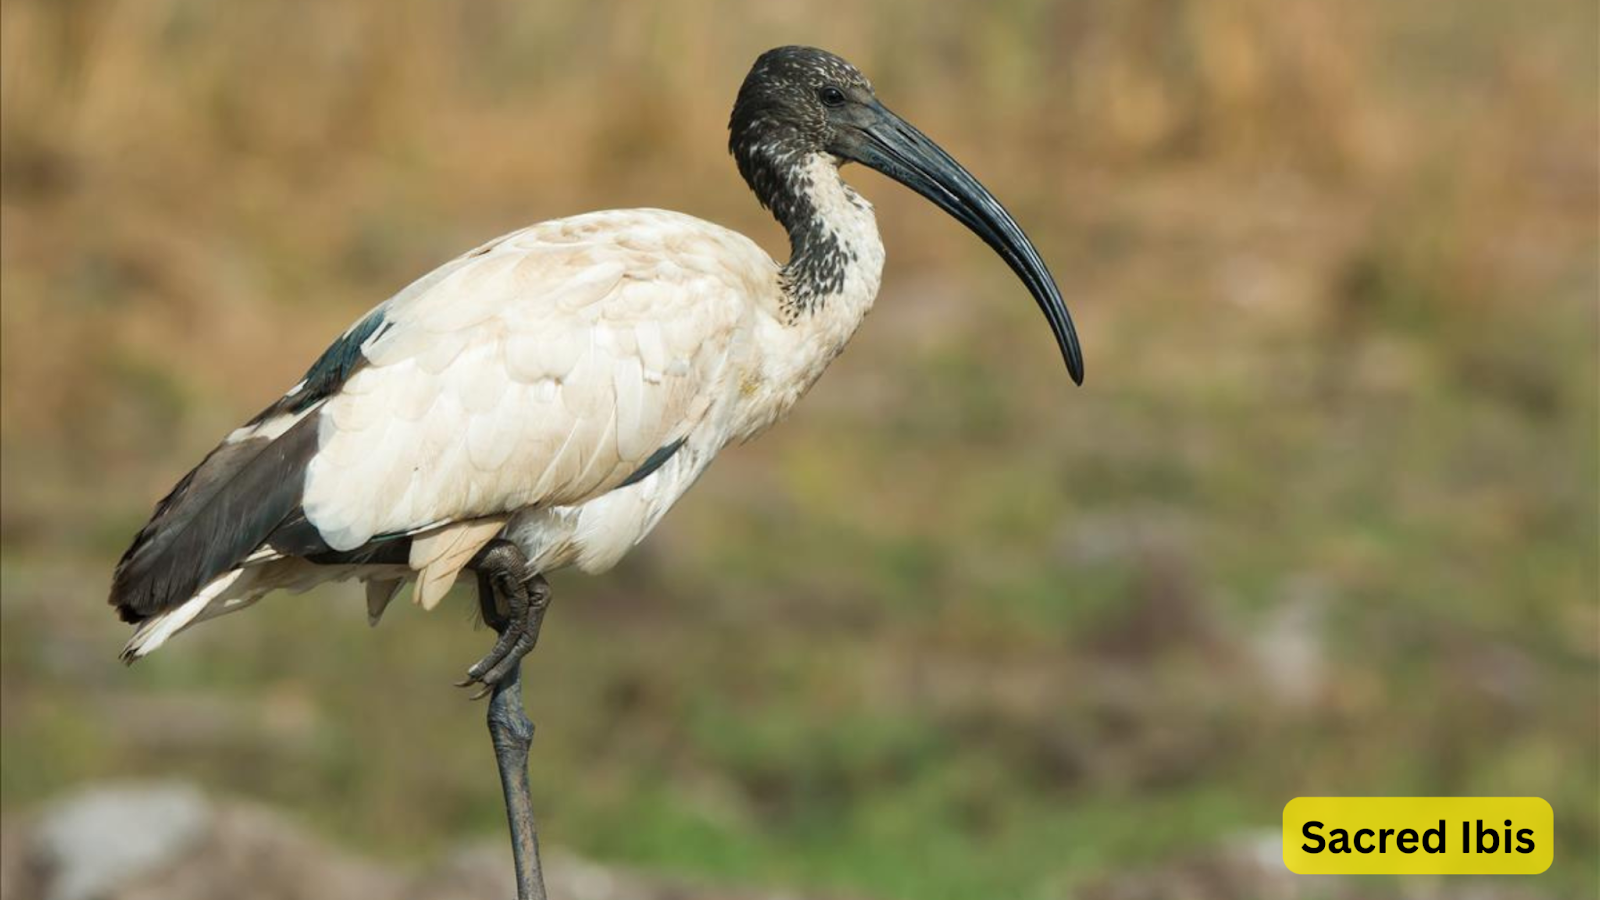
493,669
526,596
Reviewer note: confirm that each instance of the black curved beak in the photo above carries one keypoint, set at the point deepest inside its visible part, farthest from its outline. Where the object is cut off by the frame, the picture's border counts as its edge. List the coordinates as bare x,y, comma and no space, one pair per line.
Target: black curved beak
892,146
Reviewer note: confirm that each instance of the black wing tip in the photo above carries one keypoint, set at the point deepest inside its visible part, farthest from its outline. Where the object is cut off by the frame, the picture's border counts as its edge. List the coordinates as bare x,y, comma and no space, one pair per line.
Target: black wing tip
216,516
136,599
186,542
128,614
133,606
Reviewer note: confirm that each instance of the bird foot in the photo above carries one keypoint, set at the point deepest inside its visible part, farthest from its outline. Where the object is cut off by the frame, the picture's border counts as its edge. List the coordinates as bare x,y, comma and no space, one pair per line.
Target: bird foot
519,631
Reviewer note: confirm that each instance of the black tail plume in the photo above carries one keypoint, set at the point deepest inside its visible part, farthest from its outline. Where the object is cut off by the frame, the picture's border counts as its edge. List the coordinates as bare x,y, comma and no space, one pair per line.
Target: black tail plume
215,517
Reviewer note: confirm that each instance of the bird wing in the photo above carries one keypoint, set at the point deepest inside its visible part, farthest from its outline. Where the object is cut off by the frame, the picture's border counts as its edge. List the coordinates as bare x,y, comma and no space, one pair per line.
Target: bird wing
544,368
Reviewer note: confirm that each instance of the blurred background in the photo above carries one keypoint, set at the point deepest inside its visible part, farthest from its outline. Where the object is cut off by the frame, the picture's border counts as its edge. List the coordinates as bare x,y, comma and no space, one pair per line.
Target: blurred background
1323,520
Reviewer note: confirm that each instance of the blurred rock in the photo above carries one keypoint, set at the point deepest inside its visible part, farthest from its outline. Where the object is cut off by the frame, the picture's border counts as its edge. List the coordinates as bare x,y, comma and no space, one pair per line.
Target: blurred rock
1287,647
88,845
169,842
474,871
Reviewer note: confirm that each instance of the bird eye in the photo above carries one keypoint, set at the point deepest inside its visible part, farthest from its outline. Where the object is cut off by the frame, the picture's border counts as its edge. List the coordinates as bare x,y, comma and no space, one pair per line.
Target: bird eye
831,96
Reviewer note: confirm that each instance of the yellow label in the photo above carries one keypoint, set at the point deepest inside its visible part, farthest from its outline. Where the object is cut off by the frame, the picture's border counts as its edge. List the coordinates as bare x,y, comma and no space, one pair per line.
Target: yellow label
1418,835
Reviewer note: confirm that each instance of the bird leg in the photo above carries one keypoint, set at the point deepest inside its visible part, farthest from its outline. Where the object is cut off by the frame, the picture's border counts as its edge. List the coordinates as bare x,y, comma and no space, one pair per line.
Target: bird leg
502,567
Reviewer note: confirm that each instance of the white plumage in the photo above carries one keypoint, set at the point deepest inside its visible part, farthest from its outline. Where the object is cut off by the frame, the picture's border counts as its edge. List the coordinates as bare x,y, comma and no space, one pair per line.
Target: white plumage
515,388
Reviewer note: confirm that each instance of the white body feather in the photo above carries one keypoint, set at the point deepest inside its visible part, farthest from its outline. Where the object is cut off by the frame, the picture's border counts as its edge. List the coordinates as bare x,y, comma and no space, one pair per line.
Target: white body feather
526,380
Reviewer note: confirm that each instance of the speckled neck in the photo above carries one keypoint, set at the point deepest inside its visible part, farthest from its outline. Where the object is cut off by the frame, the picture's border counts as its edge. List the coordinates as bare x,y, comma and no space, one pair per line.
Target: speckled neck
833,235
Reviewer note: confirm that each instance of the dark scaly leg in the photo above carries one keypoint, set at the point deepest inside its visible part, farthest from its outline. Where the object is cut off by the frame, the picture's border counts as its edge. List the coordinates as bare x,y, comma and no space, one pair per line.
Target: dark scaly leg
502,568
513,735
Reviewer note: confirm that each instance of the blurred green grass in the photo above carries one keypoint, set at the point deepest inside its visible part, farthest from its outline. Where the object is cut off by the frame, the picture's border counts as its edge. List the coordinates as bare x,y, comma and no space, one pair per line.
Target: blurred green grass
1322,522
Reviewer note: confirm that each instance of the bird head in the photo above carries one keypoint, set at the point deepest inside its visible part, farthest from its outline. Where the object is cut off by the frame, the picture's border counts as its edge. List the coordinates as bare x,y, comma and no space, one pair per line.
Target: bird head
798,102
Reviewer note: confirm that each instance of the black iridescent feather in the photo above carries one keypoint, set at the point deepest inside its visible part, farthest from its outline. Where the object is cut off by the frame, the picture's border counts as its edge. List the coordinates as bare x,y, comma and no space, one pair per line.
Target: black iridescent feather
239,496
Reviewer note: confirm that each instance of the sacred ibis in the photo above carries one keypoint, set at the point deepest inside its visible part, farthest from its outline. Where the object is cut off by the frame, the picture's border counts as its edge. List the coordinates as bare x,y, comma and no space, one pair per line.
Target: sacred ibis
541,401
